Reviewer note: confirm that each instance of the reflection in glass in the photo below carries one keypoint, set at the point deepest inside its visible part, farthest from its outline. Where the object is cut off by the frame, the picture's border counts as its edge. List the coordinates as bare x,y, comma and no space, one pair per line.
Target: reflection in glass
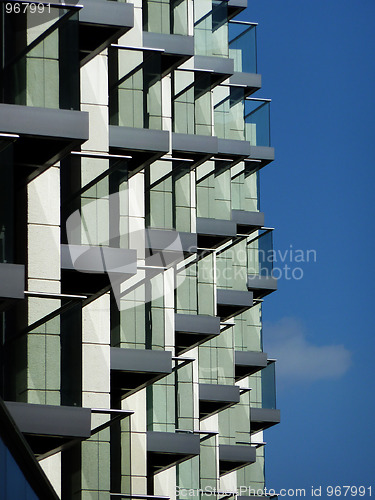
242,46
211,28
192,103
166,16
260,255
44,70
257,122
135,97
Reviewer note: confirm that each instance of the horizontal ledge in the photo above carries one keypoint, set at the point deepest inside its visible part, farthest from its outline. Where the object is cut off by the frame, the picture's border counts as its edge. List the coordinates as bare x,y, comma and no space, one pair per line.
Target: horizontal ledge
128,47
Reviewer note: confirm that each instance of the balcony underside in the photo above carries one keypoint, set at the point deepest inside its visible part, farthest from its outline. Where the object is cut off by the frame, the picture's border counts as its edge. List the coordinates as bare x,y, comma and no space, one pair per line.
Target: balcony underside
89,269
263,154
45,135
251,82
232,302
165,248
198,148
214,398
235,7
234,457
214,232
100,24
261,285
247,222
144,145
47,428
192,330
166,449
6,140
177,49
248,362
233,149
263,418
220,68
134,369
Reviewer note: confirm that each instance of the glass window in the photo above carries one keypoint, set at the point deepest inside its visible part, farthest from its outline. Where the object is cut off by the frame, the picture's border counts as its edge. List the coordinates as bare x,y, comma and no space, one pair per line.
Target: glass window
192,103
216,360
95,201
170,402
135,92
243,47
248,330
166,16
42,68
211,28
257,122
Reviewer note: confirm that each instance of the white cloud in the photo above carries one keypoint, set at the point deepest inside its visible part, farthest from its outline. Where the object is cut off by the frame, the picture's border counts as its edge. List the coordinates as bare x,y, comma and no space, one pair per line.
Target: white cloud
298,358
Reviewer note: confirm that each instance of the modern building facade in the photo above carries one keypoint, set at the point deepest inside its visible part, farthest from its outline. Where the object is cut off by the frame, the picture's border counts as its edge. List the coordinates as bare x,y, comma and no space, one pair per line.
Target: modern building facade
134,258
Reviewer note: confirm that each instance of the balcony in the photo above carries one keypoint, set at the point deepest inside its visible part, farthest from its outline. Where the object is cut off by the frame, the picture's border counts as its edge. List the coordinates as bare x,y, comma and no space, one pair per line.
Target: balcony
176,49
100,24
143,144
192,330
234,457
260,265
134,369
45,135
243,50
197,147
166,449
47,427
214,398
240,118
249,362
257,130
247,222
98,267
218,68
214,232
263,418
232,302
263,412
164,248
233,149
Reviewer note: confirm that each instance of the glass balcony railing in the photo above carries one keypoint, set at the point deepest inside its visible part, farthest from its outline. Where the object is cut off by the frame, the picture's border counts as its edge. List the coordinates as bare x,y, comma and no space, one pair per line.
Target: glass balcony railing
51,373
245,190
263,384
135,94
45,71
268,378
240,118
229,113
97,213
170,402
243,46
257,121
260,255
211,28
192,103
166,16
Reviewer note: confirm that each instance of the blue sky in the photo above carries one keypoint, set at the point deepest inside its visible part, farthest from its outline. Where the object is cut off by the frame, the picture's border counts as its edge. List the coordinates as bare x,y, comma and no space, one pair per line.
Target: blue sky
317,60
